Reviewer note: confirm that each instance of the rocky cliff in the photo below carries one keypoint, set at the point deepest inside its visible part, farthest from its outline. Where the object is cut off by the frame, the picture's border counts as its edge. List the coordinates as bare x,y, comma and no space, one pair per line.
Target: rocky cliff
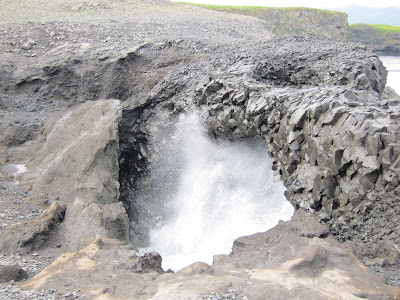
294,20
84,104
383,39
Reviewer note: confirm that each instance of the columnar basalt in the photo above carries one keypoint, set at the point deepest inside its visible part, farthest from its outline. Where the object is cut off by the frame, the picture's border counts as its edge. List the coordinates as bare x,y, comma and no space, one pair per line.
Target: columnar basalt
333,138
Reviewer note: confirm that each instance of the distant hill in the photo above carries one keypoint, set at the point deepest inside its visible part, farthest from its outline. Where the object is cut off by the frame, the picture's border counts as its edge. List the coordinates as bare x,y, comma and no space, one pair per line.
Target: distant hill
287,21
372,15
383,38
284,21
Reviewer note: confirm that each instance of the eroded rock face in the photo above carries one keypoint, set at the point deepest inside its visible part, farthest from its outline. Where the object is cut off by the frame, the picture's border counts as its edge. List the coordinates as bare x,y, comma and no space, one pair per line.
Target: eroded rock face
282,262
332,136
385,43
334,140
77,154
27,237
77,164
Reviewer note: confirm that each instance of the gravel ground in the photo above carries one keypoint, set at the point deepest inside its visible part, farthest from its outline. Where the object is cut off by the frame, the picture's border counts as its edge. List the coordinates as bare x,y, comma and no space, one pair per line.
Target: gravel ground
43,30
12,292
230,294
14,202
113,30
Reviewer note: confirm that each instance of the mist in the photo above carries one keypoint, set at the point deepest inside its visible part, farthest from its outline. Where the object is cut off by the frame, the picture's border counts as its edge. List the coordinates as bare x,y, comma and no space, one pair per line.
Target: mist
204,193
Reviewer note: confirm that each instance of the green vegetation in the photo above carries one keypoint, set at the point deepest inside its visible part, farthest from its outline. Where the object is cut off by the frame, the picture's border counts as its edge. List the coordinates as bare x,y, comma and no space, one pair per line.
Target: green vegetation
287,21
385,29
254,9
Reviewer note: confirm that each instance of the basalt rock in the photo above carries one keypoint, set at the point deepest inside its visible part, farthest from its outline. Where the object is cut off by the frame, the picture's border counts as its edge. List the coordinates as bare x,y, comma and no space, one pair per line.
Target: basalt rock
333,138
332,131
33,235
331,128
322,106
13,272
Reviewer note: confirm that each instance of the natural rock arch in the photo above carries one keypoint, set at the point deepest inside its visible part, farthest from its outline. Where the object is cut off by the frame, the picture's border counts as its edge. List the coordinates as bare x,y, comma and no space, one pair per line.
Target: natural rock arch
332,136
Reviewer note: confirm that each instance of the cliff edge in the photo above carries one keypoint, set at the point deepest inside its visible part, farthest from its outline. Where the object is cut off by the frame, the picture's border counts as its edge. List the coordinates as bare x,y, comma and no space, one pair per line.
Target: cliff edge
294,20
383,39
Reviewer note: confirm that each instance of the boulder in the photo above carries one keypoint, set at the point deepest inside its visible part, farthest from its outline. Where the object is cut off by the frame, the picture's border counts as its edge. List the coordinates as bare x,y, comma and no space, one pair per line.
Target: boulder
196,268
76,162
34,234
77,154
12,273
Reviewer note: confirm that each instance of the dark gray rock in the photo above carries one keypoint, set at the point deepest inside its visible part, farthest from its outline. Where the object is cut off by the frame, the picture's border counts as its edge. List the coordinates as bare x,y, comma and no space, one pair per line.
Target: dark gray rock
319,104
332,156
150,262
35,233
385,43
12,273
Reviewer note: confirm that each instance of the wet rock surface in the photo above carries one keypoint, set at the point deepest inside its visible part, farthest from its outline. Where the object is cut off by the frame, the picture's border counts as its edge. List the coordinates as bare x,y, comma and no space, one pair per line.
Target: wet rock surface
75,109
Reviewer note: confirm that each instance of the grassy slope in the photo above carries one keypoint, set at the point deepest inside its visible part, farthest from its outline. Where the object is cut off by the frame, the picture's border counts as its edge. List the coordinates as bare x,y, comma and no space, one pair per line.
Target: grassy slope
285,21
250,10
385,29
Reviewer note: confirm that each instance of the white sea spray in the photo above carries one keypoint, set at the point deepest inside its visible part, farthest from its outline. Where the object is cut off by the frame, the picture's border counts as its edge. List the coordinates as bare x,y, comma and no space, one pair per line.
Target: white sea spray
203,194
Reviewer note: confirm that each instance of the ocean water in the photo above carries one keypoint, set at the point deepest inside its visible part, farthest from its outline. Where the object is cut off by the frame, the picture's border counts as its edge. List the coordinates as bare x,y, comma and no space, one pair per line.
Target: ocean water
14,169
392,64
202,194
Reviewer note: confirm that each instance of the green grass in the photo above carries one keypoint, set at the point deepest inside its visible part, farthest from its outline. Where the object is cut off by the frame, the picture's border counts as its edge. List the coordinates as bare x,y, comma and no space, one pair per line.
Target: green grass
381,28
253,9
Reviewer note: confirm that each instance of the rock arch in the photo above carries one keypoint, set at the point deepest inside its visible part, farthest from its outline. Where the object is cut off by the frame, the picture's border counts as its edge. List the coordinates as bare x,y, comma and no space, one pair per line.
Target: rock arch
331,133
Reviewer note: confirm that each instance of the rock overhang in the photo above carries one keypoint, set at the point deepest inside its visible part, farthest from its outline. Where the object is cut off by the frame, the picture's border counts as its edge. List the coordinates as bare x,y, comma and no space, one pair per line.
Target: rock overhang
330,132
333,140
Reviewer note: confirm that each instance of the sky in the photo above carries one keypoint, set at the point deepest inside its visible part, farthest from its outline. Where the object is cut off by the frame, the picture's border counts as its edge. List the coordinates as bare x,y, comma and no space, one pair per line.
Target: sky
304,3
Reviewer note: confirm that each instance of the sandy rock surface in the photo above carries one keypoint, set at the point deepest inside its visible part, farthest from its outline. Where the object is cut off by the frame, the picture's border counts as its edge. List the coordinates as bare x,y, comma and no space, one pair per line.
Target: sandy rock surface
289,261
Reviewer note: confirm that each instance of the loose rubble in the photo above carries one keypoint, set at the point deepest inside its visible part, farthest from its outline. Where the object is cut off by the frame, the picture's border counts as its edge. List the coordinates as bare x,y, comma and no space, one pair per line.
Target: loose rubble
230,294
13,292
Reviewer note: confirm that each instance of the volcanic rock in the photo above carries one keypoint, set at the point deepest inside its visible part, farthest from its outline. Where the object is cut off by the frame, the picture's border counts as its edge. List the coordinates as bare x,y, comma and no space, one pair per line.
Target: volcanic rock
13,272
82,106
278,263
34,234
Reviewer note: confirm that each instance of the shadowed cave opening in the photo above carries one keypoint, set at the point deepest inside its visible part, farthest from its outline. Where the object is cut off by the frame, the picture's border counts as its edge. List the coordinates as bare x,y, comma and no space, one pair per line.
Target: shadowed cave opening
190,194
